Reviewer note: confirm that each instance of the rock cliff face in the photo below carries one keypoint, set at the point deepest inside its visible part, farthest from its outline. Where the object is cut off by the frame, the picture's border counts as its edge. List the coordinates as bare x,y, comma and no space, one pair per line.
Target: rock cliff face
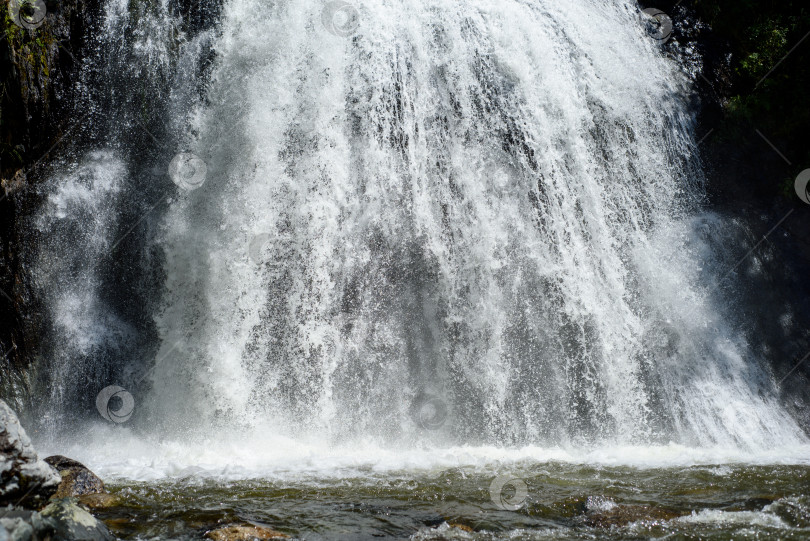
41,54
39,61
54,77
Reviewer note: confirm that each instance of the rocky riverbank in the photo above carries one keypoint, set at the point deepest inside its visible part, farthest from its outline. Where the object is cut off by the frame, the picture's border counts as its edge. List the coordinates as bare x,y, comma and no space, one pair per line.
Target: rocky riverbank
55,498
37,496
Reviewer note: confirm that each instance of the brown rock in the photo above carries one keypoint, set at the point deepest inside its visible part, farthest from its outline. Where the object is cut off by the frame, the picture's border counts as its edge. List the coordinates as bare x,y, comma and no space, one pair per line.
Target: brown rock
77,480
16,183
462,527
99,500
243,532
621,515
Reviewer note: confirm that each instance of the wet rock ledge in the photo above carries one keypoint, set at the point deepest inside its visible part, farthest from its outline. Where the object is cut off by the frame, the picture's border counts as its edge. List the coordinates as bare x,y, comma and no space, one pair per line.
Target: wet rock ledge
36,496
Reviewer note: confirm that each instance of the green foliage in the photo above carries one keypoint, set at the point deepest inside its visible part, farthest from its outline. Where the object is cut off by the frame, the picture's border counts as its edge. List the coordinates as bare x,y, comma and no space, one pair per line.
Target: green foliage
26,66
768,43
770,65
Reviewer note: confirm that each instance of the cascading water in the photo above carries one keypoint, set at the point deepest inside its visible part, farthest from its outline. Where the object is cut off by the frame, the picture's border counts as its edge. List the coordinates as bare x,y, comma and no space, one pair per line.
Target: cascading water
89,246
444,223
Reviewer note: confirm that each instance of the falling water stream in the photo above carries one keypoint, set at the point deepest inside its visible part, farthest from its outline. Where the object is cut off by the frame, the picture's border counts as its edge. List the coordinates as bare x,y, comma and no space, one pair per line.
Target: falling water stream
388,242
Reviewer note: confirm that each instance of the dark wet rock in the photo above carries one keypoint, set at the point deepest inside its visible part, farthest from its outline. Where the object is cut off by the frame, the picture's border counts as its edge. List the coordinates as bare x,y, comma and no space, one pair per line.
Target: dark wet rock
794,510
40,67
243,532
15,183
23,525
62,520
40,71
25,479
77,479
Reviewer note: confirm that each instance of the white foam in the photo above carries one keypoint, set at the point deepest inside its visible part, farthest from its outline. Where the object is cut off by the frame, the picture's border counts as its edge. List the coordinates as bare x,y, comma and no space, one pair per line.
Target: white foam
404,252
726,518
117,453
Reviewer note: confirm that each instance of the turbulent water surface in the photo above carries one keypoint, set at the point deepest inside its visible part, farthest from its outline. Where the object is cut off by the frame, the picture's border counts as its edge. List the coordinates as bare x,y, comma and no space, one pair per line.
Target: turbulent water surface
347,263
563,501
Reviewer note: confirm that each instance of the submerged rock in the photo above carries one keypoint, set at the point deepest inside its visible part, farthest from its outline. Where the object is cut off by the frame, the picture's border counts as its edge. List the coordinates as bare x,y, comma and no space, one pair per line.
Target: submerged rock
77,479
622,515
243,532
445,532
99,501
25,479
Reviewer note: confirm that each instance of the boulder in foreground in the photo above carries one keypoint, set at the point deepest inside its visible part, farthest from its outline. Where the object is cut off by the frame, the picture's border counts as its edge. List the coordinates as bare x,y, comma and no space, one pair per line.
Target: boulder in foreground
77,479
71,522
25,479
61,520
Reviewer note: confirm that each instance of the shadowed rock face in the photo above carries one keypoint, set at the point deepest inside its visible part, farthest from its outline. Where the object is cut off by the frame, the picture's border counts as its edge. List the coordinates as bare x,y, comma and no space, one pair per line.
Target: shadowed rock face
51,74
39,70
40,65
25,479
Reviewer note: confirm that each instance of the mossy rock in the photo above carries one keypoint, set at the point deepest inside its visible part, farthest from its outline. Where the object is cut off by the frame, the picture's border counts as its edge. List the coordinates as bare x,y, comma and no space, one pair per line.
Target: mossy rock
71,522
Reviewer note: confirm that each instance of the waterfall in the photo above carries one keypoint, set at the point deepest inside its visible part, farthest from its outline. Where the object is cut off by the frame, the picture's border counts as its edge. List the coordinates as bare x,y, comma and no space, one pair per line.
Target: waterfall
447,222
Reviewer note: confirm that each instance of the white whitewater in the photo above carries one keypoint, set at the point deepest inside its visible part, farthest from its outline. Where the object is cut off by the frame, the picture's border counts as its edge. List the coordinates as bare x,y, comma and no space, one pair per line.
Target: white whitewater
455,224
485,202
